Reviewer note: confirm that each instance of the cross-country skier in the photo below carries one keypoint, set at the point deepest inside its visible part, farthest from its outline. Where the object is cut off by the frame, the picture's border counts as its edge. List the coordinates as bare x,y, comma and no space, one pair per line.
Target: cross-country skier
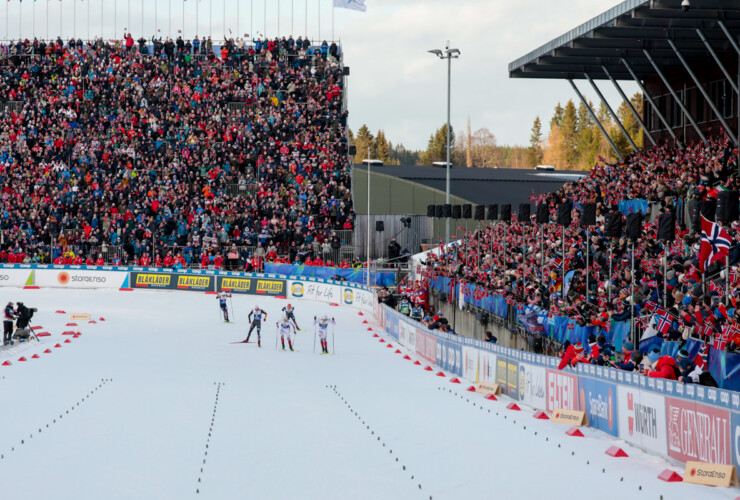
285,327
323,323
8,317
255,317
290,314
222,296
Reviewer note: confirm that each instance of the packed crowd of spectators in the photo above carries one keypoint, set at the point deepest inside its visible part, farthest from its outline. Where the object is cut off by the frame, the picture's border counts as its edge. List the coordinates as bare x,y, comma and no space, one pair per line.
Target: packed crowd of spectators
175,152
524,261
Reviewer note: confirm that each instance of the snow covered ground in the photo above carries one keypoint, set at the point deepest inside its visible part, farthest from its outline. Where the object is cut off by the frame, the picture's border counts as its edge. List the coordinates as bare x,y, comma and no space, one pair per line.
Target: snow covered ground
155,402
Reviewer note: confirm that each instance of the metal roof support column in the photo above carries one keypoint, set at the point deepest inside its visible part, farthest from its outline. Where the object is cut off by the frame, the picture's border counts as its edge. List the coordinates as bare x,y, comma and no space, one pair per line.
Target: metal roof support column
593,115
611,112
700,87
652,103
630,106
675,96
716,59
733,42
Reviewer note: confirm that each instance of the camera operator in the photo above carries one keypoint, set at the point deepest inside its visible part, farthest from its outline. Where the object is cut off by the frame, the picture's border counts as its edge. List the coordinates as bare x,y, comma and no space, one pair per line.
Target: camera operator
9,316
24,316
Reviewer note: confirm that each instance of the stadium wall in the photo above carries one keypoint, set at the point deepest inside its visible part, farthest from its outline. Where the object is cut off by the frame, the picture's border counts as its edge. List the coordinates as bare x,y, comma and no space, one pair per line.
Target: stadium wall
676,421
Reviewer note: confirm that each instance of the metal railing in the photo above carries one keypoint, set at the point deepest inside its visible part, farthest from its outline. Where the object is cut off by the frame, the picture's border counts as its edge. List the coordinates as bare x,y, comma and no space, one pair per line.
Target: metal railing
14,106
241,188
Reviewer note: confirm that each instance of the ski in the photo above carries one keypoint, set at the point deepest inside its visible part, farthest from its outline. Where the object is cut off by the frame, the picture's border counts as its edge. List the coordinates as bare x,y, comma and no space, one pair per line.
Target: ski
242,342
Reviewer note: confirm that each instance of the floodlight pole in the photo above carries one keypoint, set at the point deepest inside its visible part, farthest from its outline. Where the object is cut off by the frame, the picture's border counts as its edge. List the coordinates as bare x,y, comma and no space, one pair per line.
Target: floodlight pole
368,216
448,54
447,166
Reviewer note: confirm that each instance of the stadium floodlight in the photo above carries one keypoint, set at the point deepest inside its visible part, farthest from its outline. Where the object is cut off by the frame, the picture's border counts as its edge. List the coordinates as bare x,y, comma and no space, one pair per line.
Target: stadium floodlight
448,54
685,5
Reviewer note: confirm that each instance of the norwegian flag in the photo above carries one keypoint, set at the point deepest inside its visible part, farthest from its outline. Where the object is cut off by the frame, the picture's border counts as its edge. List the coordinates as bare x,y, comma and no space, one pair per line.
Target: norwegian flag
701,359
720,341
663,324
650,306
715,243
714,287
734,278
706,331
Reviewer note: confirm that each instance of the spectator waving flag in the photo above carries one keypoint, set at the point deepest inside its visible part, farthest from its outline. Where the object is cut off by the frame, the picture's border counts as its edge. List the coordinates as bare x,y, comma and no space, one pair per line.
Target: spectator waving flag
650,338
351,4
663,323
715,243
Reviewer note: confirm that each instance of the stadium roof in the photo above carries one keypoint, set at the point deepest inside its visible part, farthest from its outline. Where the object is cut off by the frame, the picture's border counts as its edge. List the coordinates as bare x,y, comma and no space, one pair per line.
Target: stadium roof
483,185
625,31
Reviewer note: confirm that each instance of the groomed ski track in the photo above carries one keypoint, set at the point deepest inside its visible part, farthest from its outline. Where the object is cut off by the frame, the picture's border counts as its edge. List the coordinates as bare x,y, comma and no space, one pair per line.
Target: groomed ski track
155,402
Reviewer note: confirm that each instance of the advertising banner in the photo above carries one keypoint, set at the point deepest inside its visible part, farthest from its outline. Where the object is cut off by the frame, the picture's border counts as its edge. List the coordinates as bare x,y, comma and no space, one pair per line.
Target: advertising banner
355,297
321,292
735,438
449,356
393,325
562,391
533,385
407,335
153,280
170,281
194,283
502,373
641,417
599,400
72,278
470,362
426,346
698,432
16,277
251,286
512,378
486,368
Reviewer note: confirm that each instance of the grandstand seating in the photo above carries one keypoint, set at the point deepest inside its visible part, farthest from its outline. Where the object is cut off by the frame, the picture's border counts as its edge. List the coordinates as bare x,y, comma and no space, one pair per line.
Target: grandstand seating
164,154
523,261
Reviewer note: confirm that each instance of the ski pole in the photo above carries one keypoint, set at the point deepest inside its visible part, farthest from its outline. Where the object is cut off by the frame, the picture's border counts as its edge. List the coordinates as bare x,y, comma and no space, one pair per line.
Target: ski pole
314,339
233,312
276,335
332,338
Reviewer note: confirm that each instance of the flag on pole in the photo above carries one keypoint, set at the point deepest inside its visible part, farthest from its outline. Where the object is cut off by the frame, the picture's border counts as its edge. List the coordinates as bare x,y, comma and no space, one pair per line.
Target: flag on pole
351,4
715,243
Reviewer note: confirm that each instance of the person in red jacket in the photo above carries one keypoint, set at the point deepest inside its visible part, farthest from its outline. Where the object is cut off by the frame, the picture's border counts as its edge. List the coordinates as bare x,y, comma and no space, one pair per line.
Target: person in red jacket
573,354
204,260
158,261
218,261
89,261
100,261
145,260
665,368
169,261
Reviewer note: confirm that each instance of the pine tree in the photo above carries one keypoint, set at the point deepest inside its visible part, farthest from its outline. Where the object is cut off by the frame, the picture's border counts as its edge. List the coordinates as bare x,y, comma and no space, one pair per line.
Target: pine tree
534,152
437,146
557,117
363,141
568,129
382,148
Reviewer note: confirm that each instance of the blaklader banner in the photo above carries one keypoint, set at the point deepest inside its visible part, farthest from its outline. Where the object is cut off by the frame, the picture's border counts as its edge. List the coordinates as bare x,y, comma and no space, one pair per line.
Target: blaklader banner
170,281
252,286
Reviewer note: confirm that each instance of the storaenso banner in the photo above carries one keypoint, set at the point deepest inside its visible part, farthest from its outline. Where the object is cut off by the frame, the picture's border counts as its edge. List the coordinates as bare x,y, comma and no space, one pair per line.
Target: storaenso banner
169,281
252,286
